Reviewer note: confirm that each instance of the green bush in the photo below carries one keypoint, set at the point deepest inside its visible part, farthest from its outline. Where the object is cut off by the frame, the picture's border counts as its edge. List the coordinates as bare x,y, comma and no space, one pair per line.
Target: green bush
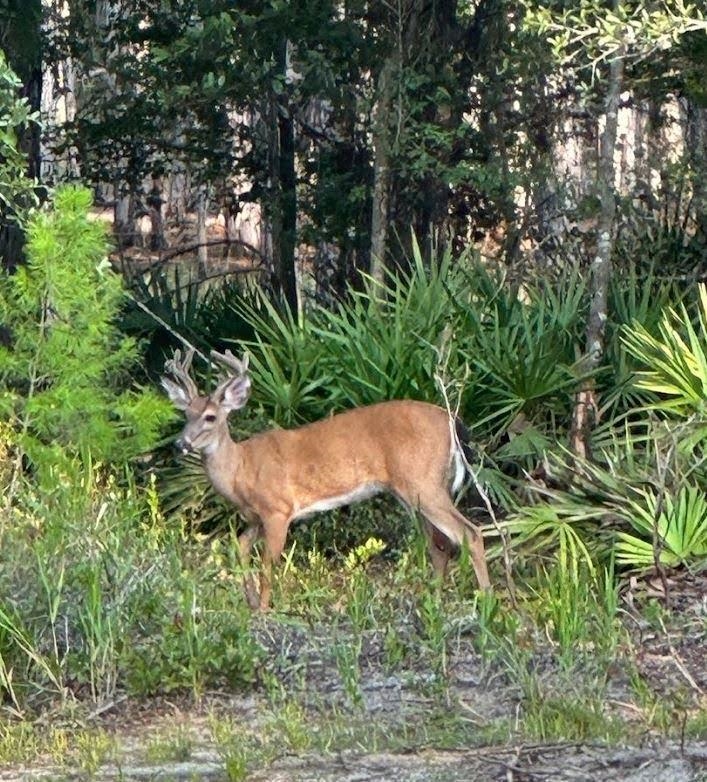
666,529
65,383
161,304
449,320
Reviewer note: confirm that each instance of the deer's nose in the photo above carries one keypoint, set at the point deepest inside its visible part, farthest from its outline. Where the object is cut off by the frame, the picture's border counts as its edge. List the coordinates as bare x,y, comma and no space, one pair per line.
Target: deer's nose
183,445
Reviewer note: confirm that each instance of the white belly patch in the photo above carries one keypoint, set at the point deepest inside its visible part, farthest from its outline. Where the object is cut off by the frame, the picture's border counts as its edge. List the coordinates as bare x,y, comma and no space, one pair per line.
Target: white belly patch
329,503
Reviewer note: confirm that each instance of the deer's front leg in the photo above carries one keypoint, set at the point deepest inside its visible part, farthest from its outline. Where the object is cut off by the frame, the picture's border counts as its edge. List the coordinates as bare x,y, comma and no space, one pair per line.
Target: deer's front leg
245,549
274,533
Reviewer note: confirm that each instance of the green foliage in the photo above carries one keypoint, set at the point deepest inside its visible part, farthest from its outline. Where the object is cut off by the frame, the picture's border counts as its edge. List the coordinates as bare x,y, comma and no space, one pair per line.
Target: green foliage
567,526
589,30
676,359
653,393
636,296
16,189
386,341
579,605
99,593
64,379
449,321
640,502
669,529
286,362
521,346
164,303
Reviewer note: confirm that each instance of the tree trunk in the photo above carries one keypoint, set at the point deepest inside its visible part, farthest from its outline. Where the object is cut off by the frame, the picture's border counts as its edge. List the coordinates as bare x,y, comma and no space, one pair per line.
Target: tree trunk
123,219
586,404
288,210
282,204
155,202
697,146
201,237
381,168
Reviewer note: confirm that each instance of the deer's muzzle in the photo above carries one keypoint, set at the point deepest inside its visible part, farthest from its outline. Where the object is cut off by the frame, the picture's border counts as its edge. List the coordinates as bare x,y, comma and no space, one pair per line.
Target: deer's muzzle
183,445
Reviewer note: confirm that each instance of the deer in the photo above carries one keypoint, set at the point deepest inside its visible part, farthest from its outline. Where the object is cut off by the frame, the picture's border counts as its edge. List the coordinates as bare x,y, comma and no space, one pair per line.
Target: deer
411,449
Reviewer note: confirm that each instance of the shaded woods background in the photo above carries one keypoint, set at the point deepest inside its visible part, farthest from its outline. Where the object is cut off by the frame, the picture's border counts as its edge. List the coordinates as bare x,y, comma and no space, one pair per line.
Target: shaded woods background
322,135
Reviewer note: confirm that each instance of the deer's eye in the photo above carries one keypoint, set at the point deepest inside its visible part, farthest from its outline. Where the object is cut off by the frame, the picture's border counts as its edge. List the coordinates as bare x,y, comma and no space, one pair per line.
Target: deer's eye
210,418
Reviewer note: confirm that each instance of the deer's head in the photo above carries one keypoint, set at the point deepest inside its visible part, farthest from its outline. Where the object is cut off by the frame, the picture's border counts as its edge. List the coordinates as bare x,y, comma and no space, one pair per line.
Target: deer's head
206,415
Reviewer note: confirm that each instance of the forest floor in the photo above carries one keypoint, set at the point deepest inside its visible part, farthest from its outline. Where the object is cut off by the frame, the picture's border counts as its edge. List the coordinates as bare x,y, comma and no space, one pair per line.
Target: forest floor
321,716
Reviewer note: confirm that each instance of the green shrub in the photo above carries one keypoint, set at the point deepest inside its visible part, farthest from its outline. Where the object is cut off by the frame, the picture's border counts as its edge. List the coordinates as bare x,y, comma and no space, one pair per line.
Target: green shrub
666,529
382,342
65,381
673,360
161,304
521,348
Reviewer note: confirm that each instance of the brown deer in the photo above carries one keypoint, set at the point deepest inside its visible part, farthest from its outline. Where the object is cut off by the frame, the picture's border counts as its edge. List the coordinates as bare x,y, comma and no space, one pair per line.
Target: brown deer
410,449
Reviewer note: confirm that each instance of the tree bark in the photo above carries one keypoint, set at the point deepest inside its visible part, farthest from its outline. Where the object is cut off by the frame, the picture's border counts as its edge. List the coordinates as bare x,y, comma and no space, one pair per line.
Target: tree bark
123,218
586,403
382,143
283,190
697,146
201,236
288,210
155,201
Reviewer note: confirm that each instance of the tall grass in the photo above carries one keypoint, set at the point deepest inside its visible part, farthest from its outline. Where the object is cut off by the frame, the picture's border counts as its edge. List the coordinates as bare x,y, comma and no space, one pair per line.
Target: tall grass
93,599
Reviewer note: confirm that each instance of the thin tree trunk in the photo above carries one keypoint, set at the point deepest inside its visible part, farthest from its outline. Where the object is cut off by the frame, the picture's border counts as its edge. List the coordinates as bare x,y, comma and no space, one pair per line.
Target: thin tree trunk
586,403
155,202
23,23
381,169
282,207
697,146
201,238
272,219
288,210
123,218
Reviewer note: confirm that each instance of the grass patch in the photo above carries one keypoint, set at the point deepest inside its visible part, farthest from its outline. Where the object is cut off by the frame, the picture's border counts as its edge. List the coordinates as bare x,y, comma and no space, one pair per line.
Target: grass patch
174,745
104,599
83,749
293,730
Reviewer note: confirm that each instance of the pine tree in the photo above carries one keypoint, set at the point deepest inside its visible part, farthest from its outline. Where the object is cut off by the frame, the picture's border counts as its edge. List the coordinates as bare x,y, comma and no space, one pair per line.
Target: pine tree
65,383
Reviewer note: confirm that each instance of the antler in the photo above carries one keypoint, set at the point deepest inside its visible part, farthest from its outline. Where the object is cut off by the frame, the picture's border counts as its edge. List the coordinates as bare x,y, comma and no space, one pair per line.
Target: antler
230,361
180,370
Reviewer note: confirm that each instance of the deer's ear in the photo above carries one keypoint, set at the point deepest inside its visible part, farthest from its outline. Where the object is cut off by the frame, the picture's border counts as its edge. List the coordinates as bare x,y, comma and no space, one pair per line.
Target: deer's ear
176,393
233,393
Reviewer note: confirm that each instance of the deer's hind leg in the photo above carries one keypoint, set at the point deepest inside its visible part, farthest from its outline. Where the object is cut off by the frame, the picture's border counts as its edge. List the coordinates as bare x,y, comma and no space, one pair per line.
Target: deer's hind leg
439,547
441,513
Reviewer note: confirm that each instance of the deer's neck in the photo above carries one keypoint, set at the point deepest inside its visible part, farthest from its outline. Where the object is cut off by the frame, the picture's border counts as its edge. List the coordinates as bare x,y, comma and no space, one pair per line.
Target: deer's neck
222,464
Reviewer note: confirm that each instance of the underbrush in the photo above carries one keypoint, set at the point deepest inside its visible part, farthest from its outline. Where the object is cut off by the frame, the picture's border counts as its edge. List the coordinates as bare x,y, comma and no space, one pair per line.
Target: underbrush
105,599
102,595
120,581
